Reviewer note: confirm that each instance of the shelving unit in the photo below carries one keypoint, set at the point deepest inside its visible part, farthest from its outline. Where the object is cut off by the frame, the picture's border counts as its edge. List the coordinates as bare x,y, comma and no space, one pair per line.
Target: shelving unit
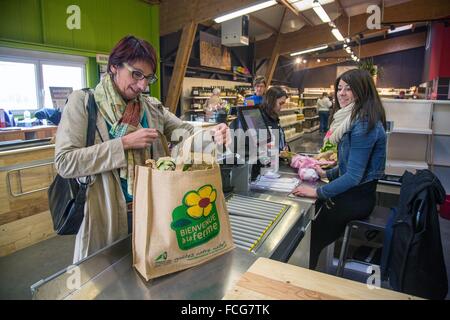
409,142
308,102
289,120
309,130
192,101
440,146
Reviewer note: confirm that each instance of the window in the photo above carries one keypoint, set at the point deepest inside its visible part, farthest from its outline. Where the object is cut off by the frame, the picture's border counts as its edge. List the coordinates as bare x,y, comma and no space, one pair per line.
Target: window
18,85
73,77
25,77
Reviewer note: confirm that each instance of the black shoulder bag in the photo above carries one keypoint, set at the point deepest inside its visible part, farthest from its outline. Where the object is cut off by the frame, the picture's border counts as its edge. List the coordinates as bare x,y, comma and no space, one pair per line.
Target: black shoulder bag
66,197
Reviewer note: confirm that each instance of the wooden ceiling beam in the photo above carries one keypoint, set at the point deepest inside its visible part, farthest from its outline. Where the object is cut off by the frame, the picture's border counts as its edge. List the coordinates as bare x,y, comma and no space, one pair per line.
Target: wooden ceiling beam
180,67
372,49
295,11
263,24
309,37
275,53
174,15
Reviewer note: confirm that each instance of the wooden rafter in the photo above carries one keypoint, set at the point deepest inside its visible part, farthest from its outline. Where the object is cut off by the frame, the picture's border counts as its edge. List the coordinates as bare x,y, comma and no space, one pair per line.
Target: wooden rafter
275,52
309,37
263,24
173,12
181,63
372,49
295,11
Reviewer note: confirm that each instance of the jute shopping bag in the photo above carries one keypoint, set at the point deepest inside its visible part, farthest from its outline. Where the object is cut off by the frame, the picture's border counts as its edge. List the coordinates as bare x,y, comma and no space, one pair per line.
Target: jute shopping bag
180,219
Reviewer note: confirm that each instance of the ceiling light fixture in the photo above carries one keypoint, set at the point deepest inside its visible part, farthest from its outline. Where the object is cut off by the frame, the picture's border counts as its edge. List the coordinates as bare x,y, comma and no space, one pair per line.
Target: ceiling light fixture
309,50
318,60
307,4
321,12
348,49
337,34
347,40
398,29
298,60
304,61
247,10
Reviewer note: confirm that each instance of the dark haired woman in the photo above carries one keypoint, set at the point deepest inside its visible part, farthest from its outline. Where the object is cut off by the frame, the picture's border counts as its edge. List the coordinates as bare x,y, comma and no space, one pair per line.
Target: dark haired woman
127,124
358,128
274,99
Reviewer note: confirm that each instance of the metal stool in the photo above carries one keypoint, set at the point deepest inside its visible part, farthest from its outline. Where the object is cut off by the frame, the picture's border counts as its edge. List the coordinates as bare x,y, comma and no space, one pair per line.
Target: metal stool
376,221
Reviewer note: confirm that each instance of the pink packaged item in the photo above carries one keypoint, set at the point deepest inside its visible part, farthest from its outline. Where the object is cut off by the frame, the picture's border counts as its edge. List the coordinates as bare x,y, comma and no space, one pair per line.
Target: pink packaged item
306,167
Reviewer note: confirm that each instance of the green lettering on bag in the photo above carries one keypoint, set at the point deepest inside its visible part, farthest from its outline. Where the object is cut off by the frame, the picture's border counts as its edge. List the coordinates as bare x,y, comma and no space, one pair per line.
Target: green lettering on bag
196,221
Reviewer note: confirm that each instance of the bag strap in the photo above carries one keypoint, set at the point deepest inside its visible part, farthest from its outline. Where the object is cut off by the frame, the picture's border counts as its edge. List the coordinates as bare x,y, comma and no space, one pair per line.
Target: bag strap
92,118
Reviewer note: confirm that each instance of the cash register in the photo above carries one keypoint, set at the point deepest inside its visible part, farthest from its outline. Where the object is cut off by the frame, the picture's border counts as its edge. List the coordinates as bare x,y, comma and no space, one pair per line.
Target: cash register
240,164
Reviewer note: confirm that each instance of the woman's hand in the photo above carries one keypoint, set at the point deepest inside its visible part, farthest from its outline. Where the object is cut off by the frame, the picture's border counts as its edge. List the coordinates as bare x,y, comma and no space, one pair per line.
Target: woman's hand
221,134
305,191
139,139
322,173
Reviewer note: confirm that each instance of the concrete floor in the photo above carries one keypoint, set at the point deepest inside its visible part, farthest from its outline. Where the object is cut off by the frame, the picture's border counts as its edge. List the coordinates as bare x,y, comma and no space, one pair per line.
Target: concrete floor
21,269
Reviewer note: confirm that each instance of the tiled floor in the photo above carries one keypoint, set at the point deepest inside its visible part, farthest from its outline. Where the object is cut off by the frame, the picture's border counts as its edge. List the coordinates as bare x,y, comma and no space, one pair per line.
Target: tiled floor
20,270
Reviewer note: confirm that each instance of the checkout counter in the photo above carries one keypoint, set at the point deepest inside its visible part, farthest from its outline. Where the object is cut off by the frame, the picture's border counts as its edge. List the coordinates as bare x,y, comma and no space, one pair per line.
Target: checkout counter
265,224
109,274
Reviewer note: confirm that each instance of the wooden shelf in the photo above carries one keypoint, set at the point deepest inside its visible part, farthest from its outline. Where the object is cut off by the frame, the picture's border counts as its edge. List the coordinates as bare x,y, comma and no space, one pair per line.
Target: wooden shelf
207,97
310,107
311,129
294,137
309,118
290,109
291,123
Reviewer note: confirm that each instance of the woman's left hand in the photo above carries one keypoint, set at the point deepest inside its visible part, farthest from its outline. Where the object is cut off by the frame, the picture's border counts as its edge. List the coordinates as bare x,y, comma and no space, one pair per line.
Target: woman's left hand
221,134
305,191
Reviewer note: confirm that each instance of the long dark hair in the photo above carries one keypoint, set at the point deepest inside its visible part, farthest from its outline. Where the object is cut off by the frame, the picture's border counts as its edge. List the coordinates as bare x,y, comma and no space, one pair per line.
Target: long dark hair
131,49
270,100
368,106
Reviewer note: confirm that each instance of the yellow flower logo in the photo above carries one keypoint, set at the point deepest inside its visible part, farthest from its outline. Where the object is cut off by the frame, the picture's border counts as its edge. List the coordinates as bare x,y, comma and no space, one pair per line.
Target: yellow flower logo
200,202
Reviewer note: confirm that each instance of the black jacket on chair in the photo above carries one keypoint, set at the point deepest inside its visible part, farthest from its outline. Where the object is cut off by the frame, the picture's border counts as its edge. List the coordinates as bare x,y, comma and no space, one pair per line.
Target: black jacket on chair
412,252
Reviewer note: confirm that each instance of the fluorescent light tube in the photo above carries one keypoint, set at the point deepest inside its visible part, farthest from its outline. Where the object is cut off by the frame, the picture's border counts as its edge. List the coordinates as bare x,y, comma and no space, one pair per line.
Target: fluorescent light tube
247,10
304,5
309,50
337,34
321,13
402,28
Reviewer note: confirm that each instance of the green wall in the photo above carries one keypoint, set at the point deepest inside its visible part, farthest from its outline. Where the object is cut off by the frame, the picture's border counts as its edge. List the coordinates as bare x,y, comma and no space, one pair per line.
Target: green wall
41,25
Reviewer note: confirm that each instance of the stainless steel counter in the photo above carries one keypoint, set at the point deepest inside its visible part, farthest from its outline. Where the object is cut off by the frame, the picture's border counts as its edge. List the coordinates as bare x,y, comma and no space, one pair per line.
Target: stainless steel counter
109,274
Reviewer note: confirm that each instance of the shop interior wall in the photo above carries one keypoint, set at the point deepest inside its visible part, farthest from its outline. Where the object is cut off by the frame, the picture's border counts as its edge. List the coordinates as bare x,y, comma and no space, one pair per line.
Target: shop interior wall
41,25
399,70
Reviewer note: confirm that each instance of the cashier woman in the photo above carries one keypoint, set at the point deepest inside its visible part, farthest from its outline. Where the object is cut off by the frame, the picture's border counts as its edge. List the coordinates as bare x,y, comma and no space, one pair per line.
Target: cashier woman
127,124
358,128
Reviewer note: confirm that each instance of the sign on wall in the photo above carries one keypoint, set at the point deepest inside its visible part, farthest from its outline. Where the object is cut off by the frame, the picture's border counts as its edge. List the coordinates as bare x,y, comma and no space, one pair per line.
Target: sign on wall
212,53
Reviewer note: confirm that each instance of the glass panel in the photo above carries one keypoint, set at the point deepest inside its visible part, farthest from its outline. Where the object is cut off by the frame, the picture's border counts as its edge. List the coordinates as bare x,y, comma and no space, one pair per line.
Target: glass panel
17,86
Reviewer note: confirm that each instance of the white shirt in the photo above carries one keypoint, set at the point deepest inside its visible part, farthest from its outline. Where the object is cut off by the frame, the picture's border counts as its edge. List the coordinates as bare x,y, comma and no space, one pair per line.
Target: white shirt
324,104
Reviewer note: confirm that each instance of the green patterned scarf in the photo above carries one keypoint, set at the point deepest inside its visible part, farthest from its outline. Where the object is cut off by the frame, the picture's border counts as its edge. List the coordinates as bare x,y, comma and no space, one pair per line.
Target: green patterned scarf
123,118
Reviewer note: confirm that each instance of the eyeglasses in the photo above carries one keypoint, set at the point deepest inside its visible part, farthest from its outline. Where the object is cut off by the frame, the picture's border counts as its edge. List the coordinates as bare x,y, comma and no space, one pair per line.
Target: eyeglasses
138,75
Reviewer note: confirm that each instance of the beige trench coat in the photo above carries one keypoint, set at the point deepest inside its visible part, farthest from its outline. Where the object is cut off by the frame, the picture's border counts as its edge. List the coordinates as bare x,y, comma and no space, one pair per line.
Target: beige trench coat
105,219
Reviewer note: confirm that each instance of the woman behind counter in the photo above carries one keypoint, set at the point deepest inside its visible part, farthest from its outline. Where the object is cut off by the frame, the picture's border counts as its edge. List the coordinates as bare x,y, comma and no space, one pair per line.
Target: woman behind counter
127,124
358,128
274,99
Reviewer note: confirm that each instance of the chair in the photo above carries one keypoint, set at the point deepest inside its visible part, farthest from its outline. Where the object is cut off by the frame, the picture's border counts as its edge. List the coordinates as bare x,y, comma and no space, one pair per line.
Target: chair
376,221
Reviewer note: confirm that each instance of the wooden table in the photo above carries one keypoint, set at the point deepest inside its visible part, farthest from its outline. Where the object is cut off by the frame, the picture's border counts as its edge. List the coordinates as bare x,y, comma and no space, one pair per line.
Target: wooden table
273,280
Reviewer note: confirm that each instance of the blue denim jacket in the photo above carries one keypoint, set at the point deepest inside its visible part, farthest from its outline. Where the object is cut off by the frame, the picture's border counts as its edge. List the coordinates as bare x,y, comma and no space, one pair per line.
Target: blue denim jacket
361,158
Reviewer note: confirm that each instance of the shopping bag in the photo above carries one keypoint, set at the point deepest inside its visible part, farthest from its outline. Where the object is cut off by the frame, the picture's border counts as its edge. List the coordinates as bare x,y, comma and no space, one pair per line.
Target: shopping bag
180,219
